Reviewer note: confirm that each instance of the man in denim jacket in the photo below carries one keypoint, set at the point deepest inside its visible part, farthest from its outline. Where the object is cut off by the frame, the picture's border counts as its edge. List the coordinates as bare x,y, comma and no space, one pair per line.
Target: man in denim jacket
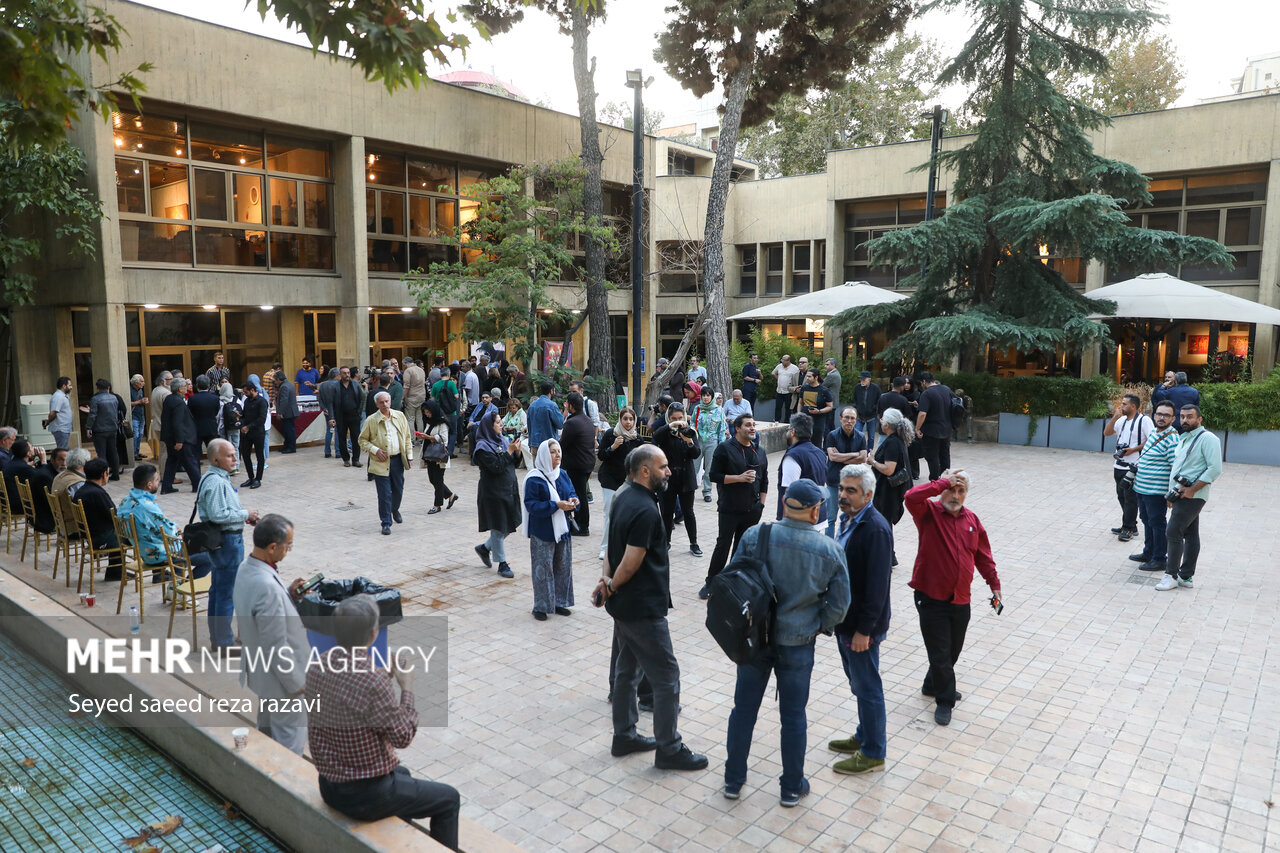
812,587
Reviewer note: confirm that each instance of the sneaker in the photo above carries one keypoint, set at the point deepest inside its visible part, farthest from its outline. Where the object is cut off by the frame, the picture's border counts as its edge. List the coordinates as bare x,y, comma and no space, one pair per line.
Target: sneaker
601,557
859,763
793,798
682,759
483,552
1139,558
706,498
1167,583
1153,566
505,570
1126,535
1186,584
695,550
942,715
732,792
705,592
846,745
1117,530
929,691
627,744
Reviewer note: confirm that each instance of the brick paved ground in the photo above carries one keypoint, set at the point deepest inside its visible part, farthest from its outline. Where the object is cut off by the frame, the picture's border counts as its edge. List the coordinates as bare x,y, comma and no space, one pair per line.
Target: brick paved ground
1098,714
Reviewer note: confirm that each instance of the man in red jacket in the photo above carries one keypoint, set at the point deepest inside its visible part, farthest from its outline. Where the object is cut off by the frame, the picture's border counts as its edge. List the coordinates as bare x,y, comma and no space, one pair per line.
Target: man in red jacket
952,542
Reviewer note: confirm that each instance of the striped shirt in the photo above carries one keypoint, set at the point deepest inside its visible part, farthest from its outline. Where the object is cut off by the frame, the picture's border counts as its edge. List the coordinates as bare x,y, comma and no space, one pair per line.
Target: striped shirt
1155,462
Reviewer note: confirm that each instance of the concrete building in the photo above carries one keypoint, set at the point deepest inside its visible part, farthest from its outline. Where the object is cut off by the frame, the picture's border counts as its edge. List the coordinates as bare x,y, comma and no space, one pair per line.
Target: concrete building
267,202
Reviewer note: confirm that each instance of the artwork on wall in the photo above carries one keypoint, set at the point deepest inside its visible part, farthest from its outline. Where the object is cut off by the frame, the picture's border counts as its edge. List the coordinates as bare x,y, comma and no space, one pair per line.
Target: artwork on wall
1197,344
1238,345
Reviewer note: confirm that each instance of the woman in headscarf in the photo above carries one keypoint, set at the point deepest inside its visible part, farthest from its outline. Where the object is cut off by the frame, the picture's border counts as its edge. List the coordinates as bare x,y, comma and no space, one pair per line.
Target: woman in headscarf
437,434
692,396
229,411
614,446
515,424
679,441
892,457
712,429
498,493
549,498
266,424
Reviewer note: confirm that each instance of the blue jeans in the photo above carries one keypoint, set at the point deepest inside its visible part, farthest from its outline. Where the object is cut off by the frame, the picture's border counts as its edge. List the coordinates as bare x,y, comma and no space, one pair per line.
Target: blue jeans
226,562
497,545
452,420
863,671
870,428
792,667
1151,509
390,489
139,427
833,509
328,439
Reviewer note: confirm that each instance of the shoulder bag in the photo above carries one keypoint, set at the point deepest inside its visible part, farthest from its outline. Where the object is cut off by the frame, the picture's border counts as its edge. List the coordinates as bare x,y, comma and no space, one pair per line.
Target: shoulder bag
201,537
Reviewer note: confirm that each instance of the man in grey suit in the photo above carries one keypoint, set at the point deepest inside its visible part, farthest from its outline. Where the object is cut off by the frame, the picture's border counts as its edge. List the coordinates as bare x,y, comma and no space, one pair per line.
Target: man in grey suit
287,409
274,643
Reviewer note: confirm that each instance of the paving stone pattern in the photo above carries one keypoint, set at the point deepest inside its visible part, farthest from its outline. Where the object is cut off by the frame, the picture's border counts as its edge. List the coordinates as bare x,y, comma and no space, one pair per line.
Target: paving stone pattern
1098,714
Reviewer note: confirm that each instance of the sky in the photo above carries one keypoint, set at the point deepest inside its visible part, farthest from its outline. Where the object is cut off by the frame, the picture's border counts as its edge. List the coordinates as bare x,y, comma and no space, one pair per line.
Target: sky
1213,40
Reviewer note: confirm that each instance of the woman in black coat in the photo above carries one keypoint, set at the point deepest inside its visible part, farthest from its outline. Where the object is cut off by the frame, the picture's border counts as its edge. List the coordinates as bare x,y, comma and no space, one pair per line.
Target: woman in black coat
892,457
679,441
615,444
498,493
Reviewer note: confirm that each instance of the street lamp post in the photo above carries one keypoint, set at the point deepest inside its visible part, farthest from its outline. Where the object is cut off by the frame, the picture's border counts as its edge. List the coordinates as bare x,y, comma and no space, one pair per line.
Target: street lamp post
939,117
635,79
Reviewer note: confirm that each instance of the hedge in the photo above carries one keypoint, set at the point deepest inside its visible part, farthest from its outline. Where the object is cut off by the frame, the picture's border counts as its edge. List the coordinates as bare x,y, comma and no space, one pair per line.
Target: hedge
771,348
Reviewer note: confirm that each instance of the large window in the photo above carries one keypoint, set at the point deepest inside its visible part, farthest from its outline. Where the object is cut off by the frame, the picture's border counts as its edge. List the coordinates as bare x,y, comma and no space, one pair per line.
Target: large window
412,202
748,267
864,221
192,193
680,266
1228,207
671,329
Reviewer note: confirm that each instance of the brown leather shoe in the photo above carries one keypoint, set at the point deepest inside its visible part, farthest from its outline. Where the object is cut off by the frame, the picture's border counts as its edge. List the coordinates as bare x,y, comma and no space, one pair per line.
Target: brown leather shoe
357,464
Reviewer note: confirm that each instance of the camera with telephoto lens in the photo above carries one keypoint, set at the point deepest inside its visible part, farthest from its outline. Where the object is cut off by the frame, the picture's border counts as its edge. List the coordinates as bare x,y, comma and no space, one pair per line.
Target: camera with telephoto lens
1175,494
1130,476
1120,449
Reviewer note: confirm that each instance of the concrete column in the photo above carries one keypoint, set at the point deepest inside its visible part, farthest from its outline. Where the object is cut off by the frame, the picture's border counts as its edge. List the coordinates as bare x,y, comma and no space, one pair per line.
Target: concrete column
352,258
1090,359
1264,347
109,347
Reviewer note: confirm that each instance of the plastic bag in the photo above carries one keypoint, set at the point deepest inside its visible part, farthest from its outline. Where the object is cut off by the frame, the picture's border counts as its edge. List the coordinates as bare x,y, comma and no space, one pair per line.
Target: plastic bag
317,606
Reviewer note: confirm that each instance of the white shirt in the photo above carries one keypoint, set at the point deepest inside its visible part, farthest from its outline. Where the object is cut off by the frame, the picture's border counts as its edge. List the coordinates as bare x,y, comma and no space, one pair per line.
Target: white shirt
788,377
732,410
791,473
697,374
393,436
60,412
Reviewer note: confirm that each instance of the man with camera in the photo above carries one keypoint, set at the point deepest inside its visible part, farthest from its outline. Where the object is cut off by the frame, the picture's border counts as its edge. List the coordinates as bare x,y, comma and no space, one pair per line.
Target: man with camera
1197,462
1131,429
1150,483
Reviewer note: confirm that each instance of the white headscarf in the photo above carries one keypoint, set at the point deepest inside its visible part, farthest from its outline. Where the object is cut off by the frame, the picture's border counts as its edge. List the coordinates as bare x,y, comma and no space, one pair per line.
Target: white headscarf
544,470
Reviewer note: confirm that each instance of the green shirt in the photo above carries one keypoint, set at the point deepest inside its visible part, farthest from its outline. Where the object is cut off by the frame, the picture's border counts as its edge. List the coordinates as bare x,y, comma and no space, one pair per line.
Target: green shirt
1197,459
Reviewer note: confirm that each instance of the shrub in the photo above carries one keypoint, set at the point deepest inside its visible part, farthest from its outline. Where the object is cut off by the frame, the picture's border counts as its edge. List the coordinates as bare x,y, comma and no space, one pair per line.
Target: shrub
771,348
1239,406
1037,395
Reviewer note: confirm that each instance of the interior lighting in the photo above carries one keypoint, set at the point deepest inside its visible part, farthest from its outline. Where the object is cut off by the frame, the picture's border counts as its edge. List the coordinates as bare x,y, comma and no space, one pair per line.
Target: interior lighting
443,310
151,306
406,310
209,307
372,176
178,152
373,158
119,142
242,161
267,307
137,122
138,146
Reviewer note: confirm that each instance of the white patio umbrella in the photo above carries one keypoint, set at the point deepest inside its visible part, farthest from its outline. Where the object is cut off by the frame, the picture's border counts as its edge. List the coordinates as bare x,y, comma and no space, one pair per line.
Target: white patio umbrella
1160,296
822,304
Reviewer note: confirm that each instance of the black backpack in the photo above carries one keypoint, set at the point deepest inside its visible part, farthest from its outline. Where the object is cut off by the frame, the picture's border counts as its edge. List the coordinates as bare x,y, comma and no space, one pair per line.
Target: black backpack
958,412
231,413
741,608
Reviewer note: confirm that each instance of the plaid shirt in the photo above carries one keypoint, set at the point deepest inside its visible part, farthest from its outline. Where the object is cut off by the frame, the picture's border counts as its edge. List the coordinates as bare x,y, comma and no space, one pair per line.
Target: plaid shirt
357,723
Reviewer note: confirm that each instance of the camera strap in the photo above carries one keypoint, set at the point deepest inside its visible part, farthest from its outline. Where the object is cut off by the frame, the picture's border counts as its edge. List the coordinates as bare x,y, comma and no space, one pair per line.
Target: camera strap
1191,447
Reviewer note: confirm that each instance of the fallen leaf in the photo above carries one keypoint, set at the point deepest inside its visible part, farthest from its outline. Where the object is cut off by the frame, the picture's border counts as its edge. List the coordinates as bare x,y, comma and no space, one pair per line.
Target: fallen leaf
138,839
1269,803
230,811
166,826
29,762
149,849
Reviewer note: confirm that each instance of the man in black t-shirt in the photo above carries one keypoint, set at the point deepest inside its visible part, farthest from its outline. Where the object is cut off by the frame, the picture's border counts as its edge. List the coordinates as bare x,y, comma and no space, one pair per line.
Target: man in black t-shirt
934,424
636,590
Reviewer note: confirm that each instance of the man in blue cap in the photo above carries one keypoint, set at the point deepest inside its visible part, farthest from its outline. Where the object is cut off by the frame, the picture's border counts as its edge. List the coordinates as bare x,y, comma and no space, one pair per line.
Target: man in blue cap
812,587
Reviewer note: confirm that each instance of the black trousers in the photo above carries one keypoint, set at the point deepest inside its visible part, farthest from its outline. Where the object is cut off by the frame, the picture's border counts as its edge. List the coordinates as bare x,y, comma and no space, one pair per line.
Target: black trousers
943,626
1184,538
398,794
185,459
348,429
669,499
937,453
251,442
289,430
1128,500
436,475
105,445
644,692
582,515
732,526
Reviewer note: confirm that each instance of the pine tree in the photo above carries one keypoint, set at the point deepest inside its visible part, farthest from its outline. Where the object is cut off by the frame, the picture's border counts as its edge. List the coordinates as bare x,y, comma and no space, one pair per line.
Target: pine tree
1030,178
760,51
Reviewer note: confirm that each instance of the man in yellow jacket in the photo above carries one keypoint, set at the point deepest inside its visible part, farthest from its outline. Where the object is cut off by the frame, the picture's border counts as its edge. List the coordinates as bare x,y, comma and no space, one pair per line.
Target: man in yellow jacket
389,443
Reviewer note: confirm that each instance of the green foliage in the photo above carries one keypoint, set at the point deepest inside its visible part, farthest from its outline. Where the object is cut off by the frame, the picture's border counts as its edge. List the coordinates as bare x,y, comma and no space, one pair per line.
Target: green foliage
561,375
1040,396
619,114
1242,406
771,348
1226,366
512,251
877,103
42,187
1029,178
1143,74
41,92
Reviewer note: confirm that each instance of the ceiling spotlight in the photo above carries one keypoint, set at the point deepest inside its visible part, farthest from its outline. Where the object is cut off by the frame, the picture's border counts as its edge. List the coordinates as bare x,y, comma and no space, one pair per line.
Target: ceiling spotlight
151,306
209,307
267,307
372,176
444,310
178,152
242,161
119,142
406,310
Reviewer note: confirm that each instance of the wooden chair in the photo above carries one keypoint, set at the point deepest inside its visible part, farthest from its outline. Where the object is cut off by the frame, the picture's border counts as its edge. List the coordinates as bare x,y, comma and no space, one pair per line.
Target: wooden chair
89,551
131,566
63,531
29,512
184,585
75,539
7,517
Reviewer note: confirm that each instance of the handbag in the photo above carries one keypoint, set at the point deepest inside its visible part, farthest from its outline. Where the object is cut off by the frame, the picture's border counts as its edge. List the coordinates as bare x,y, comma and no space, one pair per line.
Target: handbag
126,427
201,537
434,451
900,477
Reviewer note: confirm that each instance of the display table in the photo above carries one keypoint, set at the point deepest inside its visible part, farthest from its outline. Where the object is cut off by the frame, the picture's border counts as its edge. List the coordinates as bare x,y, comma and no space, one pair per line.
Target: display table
310,423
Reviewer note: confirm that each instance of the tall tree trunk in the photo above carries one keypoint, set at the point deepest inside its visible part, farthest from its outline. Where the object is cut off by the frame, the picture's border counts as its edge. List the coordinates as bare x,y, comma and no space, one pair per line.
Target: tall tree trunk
600,350
713,238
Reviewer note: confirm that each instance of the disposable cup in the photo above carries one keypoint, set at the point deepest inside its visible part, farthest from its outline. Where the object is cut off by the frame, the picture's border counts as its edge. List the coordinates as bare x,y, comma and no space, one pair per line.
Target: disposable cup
241,737
90,599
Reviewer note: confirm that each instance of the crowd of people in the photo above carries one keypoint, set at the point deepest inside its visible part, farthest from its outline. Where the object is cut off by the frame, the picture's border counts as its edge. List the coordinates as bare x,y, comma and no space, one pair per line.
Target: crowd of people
845,479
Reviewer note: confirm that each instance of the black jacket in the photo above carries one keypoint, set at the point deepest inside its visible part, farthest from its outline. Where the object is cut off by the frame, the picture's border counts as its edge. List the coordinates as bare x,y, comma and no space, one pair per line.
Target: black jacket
204,406
869,555
348,401
177,424
97,511
497,493
680,456
578,444
613,463
38,479
254,413
731,457
866,400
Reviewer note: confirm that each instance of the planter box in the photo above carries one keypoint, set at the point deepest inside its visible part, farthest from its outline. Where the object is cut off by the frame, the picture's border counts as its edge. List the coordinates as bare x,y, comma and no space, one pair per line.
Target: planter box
1013,430
1076,433
1255,447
